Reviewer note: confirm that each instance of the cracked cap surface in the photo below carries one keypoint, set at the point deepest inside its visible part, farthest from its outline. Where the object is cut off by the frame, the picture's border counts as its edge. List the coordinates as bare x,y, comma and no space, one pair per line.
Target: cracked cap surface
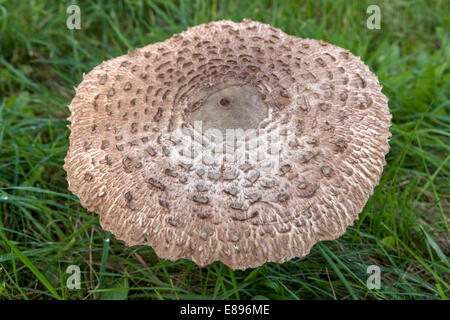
325,104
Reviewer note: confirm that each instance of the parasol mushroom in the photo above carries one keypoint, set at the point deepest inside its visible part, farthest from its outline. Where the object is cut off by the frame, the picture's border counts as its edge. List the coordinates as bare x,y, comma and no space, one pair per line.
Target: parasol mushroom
155,136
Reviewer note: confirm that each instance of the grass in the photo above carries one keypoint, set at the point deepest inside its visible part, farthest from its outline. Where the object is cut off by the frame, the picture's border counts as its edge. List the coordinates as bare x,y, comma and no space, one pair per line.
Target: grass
404,228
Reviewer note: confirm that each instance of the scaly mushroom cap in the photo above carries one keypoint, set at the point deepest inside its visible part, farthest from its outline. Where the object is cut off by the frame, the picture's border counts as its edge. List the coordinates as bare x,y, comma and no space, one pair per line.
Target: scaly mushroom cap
318,106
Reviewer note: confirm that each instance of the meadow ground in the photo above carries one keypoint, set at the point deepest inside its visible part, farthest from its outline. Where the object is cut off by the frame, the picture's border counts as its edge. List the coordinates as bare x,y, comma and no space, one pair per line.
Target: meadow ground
403,229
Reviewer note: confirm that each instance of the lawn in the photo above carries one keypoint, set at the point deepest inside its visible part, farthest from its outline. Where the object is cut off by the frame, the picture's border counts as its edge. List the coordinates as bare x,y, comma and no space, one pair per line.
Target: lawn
403,229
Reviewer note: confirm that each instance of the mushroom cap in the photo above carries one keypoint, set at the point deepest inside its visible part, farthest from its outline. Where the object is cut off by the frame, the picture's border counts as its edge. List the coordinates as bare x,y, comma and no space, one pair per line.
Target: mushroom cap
143,126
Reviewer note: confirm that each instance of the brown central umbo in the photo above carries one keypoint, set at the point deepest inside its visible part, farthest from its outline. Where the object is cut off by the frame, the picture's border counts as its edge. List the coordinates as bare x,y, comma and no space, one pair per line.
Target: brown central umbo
232,107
